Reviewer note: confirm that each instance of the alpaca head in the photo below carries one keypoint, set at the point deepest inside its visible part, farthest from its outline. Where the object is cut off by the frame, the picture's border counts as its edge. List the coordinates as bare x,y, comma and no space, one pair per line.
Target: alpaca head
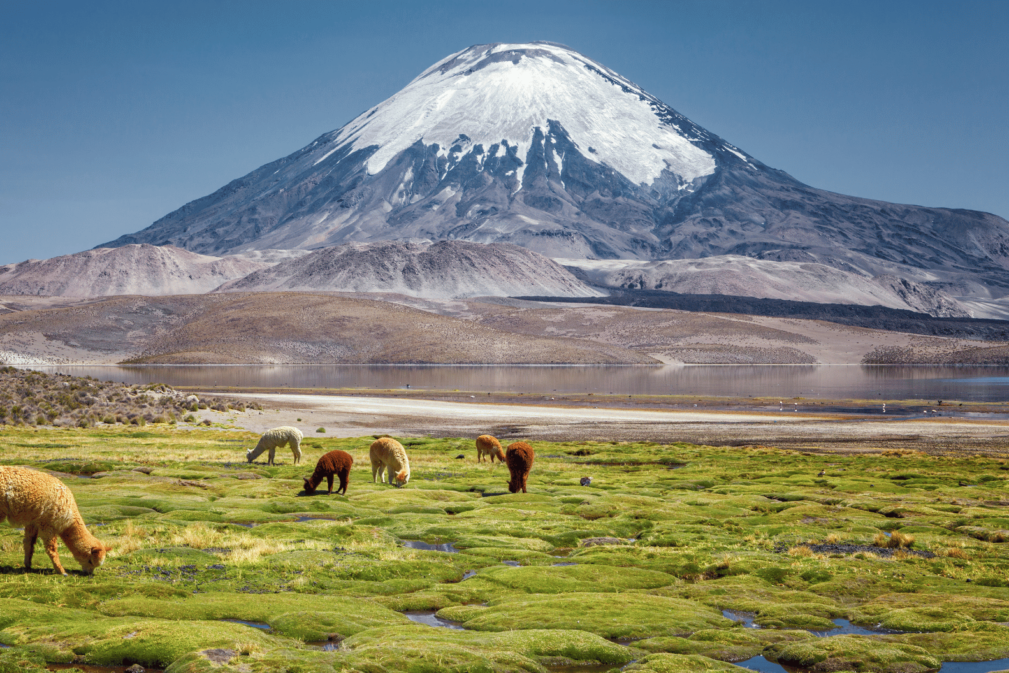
402,478
248,455
309,488
514,487
93,557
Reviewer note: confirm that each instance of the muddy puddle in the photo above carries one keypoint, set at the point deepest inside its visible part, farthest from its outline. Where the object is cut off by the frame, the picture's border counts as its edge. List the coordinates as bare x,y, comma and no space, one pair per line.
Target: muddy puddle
429,618
438,546
324,645
616,463
87,668
591,668
761,664
843,626
256,625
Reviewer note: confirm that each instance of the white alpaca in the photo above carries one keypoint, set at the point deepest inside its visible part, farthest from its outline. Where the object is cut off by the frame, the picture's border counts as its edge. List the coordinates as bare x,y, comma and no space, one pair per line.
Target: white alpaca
275,439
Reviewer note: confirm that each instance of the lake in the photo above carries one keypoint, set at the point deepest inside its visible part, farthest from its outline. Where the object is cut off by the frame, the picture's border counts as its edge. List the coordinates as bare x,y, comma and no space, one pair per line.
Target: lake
974,384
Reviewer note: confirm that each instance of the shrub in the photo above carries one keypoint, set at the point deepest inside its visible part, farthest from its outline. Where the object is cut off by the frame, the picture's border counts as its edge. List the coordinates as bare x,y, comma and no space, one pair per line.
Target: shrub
320,430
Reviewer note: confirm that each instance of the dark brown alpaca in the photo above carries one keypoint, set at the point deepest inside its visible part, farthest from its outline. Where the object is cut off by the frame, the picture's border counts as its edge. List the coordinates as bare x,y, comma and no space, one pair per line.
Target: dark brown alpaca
335,462
519,458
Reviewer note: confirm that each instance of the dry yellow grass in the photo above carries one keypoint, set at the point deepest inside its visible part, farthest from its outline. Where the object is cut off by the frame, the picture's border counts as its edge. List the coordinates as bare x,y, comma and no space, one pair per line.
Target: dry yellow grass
896,540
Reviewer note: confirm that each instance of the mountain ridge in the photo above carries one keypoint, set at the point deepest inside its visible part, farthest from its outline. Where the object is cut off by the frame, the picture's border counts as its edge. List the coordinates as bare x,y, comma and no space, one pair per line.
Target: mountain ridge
428,163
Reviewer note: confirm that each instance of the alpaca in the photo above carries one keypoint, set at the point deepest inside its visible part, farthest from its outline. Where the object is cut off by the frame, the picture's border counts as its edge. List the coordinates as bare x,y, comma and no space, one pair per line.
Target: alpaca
386,453
275,439
335,462
486,445
46,507
519,458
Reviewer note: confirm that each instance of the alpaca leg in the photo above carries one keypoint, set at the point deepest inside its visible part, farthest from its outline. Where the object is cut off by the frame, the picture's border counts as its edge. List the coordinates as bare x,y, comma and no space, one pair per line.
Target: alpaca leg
375,471
390,475
296,450
31,534
51,549
273,454
344,478
329,480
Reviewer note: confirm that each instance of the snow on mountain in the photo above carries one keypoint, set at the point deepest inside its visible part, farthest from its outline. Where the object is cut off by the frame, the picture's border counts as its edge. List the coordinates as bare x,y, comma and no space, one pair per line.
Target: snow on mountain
500,94
132,269
539,146
748,277
421,269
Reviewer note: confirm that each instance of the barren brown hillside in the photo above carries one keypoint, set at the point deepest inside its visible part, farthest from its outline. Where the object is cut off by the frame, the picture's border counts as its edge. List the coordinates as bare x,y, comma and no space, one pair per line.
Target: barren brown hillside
295,327
282,328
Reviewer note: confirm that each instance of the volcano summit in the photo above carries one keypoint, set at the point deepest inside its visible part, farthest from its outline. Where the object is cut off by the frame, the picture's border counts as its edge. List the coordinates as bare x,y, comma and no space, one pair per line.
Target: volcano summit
539,146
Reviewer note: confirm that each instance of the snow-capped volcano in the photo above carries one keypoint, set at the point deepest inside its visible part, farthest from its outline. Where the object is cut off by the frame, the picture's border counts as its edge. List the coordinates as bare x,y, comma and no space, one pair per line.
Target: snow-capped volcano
539,146
504,97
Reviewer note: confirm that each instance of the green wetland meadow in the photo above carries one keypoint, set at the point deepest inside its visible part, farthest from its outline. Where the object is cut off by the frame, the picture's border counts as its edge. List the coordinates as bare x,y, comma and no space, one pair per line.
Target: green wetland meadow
675,558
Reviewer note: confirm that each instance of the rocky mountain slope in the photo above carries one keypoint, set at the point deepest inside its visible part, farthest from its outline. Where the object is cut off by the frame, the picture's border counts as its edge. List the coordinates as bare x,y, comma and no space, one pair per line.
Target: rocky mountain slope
538,145
141,269
438,270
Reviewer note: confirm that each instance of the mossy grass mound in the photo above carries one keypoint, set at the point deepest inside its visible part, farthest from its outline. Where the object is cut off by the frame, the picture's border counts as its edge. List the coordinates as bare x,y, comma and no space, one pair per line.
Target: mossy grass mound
722,644
609,615
577,578
556,646
841,653
680,663
303,616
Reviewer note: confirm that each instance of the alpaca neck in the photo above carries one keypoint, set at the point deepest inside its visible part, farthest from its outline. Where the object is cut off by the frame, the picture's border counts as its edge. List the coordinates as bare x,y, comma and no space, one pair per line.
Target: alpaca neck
78,539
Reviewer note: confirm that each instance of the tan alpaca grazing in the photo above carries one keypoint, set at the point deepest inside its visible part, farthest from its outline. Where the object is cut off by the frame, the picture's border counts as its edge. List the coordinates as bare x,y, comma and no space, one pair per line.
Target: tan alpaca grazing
488,445
388,454
46,507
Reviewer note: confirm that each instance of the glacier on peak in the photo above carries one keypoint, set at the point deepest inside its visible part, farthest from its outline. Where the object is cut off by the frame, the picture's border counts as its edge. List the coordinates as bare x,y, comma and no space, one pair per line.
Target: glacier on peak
504,92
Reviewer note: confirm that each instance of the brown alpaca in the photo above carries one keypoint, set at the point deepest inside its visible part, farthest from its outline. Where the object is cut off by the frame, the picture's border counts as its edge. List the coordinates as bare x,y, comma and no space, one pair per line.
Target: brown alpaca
335,462
388,454
486,445
46,507
519,458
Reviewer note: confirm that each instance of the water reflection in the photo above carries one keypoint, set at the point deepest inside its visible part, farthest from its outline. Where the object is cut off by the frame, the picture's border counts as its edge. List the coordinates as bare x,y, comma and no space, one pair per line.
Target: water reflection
977,384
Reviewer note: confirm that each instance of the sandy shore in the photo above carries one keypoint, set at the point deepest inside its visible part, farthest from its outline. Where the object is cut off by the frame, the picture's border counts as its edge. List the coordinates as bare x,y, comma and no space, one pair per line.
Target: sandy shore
352,416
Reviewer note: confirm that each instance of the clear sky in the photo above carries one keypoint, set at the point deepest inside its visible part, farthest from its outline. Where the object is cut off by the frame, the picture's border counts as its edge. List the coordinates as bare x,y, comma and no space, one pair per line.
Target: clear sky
113,114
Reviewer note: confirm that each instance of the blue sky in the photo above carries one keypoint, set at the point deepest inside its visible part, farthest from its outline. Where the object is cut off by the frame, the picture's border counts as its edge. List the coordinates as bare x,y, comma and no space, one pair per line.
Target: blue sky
113,114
